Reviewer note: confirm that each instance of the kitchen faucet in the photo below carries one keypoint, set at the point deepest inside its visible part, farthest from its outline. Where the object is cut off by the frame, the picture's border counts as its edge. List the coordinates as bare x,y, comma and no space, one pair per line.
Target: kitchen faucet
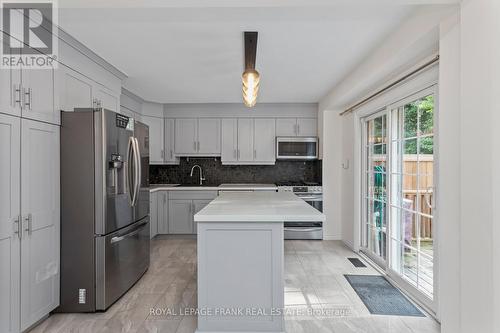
201,173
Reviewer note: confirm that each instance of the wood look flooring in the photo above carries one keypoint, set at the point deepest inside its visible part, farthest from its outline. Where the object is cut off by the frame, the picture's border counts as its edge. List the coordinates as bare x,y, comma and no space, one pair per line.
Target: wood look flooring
317,296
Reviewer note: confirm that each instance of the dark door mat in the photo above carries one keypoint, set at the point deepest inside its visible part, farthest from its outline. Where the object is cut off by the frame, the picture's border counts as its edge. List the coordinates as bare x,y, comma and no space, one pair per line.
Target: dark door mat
356,262
381,297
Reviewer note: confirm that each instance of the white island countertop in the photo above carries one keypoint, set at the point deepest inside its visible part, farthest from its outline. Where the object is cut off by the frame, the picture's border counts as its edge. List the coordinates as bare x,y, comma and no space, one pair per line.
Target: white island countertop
258,207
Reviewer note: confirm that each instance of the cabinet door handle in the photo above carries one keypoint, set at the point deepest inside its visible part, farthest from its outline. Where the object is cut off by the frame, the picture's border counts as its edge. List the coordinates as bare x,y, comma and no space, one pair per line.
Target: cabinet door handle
17,227
18,95
29,94
29,221
194,145
198,146
254,154
298,129
171,154
238,154
162,154
234,153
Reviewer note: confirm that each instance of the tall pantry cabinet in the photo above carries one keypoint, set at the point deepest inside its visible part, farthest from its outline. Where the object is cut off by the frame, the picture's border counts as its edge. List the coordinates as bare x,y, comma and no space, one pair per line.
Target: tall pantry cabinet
29,221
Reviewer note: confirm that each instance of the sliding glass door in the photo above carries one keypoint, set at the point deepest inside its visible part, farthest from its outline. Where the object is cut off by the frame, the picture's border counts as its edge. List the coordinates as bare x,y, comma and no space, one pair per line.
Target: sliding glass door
399,192
375,183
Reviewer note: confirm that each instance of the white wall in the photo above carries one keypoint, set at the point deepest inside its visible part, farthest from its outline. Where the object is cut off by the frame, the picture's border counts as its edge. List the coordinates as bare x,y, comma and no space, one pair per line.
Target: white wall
468,153
332,134
416,39
448,182
479,161
348,182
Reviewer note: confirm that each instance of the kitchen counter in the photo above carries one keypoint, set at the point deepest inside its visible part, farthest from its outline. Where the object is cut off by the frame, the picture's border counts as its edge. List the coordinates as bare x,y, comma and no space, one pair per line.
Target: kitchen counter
258,207
210,187
240,259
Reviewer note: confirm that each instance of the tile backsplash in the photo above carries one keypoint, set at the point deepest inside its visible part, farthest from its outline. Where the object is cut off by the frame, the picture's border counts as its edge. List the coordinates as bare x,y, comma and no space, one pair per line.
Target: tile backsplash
215,173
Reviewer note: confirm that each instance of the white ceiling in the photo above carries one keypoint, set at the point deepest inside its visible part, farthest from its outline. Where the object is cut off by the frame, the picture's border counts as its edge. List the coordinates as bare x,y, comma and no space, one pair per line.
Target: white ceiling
192,54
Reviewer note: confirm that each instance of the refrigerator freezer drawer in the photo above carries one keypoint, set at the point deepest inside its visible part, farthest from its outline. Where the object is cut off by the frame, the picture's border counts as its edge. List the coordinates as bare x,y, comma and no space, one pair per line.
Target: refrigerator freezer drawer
122,257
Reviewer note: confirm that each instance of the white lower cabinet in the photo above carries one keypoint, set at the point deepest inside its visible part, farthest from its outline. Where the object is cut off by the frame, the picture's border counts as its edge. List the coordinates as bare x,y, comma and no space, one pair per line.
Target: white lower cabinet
40,220
153,214
29,227
176,209
180,216
10,242
162,208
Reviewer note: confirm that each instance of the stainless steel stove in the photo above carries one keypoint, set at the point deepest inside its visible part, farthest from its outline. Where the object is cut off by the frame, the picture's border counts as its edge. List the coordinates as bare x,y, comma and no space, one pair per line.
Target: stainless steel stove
312,193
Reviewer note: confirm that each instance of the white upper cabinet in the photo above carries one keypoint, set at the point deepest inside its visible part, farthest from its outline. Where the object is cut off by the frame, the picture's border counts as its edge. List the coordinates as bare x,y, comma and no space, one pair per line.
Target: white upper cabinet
186,136
264,140
156,151
10,90
248,141
296,127
286,127
29,93
245,140
10,251
229,138
76,90
209,130
38,88
106,98
197,136
307,127
40,221
170,157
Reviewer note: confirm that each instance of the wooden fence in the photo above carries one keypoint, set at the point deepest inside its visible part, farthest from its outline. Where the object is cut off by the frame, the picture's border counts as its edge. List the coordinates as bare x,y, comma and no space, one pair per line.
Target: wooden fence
423,188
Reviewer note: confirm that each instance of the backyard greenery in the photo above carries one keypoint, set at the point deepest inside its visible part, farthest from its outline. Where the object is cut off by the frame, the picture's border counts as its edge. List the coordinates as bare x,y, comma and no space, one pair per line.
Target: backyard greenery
423,108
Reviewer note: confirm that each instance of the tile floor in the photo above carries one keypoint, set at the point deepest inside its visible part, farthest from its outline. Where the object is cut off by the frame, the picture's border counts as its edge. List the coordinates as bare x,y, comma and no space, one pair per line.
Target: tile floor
317,296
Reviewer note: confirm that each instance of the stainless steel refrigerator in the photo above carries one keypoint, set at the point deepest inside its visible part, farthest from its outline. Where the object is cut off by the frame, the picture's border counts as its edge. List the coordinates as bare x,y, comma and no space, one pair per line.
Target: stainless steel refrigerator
104,207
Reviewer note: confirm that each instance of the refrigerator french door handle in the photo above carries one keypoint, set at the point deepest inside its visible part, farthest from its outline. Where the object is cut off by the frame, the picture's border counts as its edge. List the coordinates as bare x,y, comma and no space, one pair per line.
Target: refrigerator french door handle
128,165
138,170
133,232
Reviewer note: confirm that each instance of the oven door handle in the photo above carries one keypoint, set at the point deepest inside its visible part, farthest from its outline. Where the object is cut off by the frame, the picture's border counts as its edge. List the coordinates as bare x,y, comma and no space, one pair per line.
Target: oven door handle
303,229
311,198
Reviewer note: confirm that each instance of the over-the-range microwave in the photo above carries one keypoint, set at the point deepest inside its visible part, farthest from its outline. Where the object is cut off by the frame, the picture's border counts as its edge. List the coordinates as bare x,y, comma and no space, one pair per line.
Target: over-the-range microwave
296,148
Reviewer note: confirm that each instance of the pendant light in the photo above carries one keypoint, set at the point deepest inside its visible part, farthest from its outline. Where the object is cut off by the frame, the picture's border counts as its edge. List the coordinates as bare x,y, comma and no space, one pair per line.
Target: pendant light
250,77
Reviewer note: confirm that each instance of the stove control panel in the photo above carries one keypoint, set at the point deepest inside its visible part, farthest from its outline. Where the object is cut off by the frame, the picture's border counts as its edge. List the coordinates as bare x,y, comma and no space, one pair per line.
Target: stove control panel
301,189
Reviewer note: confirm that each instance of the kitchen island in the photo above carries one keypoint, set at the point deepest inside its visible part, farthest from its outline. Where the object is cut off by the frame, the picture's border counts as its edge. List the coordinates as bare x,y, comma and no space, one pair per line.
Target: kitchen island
240,260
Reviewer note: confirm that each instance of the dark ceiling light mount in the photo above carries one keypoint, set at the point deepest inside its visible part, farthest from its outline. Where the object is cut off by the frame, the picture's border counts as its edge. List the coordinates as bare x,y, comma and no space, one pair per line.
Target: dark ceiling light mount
250,77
